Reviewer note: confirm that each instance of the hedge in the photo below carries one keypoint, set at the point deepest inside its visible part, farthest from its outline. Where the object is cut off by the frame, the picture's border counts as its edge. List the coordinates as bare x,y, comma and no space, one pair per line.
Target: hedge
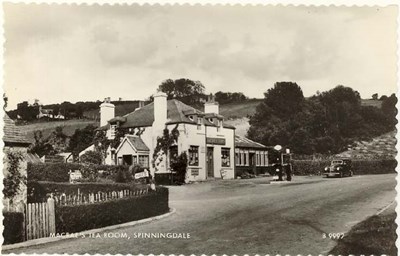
59,172
312,167
90,216
38,191
13,227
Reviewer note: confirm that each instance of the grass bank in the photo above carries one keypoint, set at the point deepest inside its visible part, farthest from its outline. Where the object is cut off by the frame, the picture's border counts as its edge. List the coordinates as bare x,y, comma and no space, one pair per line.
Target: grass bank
376,235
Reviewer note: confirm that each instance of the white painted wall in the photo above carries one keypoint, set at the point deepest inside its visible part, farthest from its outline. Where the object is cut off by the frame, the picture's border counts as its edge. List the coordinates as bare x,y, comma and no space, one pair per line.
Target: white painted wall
107,112
228,135
189,135
211,107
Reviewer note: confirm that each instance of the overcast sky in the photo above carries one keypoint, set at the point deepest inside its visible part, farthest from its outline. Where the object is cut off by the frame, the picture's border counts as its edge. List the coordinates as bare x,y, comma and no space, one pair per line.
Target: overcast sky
59,53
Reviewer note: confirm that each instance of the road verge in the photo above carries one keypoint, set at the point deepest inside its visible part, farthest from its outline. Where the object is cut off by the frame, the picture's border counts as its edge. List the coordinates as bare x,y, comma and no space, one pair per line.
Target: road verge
46,240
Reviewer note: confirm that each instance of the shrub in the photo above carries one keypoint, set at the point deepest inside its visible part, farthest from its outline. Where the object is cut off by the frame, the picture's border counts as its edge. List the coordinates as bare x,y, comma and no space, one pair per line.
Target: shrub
13,177
92,157
89,216
13,227
311,167
59,172
179,166
39,191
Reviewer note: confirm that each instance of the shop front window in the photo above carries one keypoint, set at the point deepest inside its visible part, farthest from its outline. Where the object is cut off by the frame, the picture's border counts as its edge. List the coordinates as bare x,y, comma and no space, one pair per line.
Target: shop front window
144,161
194,156
225,157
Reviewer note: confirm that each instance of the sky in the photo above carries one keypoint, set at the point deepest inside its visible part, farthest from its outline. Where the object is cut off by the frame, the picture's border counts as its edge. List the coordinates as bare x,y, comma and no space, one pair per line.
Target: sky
58,53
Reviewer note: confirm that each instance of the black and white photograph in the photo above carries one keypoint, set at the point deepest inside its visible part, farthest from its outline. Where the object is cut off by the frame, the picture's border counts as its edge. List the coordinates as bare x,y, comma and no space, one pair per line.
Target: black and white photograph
199,129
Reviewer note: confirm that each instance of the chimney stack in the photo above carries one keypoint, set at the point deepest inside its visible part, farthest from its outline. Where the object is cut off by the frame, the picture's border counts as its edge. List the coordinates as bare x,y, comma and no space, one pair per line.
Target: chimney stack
107,111
211,106
160,109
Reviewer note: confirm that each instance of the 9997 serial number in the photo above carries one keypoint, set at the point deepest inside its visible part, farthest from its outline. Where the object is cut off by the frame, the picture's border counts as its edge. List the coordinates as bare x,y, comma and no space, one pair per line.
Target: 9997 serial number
333,235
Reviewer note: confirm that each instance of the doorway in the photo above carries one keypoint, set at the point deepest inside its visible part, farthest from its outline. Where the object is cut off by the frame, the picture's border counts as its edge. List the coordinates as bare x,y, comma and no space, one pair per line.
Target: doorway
210,162
127,159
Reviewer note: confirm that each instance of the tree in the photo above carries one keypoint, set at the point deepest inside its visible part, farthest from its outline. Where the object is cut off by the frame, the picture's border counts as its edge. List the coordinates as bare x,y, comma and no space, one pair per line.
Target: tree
285,99
101,143
81,139
41,146
92,157
375,96
185,90
26,111
389,110
324,123
229,97
58,140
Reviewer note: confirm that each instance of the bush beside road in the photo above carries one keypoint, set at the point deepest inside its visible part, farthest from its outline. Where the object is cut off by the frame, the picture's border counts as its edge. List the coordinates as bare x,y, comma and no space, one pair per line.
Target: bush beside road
360,167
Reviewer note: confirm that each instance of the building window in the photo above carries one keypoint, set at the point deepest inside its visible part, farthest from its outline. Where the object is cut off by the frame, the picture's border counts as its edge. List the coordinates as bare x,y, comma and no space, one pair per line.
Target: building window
237,158
134,159
144,161
245,162
194,155
199,123
113,128
262,158
225,157
266,158
191,118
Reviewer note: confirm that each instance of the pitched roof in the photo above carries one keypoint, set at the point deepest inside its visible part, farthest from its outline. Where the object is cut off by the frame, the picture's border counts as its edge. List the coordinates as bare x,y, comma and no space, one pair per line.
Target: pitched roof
12,133
138,143
177,112
243,142
32,158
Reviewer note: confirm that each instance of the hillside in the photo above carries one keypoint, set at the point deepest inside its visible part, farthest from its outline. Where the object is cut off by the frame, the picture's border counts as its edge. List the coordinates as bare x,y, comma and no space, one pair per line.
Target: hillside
47,128
236,114
383,146
239,110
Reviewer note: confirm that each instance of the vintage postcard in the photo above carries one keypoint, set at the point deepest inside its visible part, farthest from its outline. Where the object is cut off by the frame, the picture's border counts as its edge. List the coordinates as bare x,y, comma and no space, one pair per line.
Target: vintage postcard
199,129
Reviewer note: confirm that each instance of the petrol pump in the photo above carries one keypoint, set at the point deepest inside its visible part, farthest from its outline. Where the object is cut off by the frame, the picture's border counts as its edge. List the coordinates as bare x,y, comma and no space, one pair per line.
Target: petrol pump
283,165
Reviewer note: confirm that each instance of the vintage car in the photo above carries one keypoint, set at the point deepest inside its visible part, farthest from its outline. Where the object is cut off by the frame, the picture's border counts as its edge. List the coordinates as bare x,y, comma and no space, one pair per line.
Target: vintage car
339,168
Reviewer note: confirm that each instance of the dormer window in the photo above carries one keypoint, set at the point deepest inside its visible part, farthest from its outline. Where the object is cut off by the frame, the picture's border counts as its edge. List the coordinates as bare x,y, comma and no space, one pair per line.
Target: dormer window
191,118
199,123
211,120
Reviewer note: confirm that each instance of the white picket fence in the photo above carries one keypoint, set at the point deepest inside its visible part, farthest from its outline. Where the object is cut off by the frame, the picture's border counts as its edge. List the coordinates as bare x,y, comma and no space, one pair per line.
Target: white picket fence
90,198
40,219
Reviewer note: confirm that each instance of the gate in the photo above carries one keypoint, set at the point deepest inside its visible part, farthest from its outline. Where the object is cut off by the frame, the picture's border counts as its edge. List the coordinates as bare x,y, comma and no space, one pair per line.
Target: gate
40,220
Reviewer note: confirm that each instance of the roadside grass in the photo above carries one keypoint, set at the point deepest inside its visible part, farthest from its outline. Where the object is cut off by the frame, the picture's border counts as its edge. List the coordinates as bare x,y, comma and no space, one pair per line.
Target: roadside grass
376,235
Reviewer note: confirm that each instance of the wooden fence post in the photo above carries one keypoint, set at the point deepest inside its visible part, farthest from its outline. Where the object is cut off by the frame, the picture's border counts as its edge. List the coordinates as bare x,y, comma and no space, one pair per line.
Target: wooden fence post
22,208
52,215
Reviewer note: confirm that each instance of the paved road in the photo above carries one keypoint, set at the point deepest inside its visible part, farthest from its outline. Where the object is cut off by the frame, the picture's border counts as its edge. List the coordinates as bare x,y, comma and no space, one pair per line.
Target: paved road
248,217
